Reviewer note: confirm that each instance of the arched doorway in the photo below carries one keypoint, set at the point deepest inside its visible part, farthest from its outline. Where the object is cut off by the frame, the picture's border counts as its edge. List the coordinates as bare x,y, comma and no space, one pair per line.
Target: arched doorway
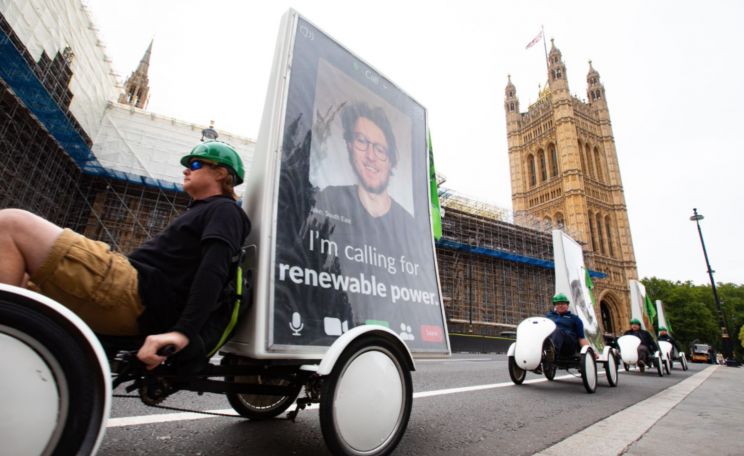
608,320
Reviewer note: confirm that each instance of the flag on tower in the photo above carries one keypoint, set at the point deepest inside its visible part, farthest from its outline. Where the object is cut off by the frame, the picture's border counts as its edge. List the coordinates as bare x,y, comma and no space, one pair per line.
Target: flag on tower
536,40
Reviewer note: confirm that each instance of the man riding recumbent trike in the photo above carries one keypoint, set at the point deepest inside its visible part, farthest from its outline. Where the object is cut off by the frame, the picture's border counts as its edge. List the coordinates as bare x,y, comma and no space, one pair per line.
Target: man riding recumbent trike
567,337
333,291
638,347
667,344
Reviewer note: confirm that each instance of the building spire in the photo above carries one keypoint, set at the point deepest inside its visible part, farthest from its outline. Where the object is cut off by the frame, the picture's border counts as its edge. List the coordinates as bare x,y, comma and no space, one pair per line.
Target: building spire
136,87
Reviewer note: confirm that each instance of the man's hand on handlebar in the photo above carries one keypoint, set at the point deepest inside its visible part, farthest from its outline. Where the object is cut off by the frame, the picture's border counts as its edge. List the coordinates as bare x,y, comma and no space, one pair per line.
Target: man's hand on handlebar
148,354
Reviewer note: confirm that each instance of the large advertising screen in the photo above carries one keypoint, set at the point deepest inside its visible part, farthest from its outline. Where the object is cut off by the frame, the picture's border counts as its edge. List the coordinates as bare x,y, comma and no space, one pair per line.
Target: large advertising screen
353,242
570,279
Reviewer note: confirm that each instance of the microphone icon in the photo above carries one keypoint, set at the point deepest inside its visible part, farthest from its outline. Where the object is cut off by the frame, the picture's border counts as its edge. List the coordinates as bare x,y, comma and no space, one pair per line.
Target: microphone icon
296,324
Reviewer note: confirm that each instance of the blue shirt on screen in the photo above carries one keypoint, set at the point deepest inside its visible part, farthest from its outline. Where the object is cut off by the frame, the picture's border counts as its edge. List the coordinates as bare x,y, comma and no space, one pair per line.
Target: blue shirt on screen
568,323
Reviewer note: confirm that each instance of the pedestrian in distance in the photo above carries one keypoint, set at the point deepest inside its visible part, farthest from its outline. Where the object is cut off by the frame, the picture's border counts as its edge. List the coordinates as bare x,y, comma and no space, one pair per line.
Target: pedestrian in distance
648,345
165,290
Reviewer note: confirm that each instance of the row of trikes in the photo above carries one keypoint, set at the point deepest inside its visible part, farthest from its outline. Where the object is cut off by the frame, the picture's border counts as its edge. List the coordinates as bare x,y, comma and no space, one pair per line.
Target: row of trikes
534,351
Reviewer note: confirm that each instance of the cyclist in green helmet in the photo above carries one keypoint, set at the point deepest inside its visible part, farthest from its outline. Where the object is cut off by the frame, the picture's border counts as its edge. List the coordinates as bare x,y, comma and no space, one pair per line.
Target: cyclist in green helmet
568,336
165,290
648,344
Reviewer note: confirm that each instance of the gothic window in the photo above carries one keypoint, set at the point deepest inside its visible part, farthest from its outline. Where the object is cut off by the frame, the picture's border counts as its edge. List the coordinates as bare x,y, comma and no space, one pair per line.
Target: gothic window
581,158
558,74
553,161
601,235
599,96
599,165
511,107
531,164
593,96
543,168
553,74
589,161
609,236
559,220
591,232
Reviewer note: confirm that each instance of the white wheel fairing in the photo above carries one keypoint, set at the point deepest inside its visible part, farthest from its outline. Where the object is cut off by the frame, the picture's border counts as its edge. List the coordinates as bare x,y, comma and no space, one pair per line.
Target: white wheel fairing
591,370
629,348
32,404
369,400
611,369
531,334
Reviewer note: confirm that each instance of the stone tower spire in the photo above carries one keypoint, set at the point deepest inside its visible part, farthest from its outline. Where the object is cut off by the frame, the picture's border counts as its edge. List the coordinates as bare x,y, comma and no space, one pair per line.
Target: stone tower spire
136,88
556,69
594,89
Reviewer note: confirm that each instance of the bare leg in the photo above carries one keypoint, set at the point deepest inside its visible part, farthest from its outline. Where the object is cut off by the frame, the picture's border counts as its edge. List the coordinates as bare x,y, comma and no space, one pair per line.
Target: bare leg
25,241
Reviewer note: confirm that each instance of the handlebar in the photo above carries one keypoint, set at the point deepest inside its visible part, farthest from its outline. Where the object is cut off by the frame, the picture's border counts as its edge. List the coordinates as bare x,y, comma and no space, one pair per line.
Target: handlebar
167,351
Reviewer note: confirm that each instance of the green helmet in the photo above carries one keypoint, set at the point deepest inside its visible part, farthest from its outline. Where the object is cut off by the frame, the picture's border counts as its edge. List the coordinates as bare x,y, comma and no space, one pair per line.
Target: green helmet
663,329
220,152
635,321
560,297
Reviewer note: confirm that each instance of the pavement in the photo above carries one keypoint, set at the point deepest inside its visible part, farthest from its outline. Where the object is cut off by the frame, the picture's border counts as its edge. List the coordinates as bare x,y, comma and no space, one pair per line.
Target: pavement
702,415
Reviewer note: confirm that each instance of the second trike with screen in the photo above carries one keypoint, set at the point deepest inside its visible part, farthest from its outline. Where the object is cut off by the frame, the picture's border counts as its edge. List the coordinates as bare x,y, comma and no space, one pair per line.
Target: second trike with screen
534,349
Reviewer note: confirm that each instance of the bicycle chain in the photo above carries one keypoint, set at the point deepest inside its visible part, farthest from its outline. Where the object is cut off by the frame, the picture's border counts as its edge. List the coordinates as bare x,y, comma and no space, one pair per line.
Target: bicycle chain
176,409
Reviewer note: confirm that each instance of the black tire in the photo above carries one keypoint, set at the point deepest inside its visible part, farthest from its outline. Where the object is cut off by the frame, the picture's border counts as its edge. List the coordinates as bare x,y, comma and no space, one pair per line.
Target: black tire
550,372
627,367
351,357
684,363
611,370
667,367
259,407
516,373
72,362
659,369
549,355
589,372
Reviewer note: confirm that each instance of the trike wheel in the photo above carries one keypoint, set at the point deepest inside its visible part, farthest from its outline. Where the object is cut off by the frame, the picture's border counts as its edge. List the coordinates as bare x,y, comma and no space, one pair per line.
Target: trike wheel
260,407
684,363
366,400
256,406
667,367
627,367
611,370
589,372
516,373
52,371
659,369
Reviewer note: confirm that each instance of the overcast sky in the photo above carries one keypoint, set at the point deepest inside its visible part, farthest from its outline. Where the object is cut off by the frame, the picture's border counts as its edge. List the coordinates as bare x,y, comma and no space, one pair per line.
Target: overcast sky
672,72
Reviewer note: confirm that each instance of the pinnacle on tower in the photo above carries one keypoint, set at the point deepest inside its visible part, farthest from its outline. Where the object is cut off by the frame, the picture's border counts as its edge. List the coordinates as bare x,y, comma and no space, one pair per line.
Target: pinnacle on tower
136,88
595,89
511,102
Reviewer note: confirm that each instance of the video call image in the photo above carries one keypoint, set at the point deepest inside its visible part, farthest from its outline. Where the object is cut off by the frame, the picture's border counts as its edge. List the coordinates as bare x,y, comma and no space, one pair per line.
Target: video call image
353,244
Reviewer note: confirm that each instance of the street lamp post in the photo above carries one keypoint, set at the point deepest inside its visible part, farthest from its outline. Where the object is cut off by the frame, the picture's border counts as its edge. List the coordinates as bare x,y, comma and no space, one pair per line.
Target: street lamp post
730,360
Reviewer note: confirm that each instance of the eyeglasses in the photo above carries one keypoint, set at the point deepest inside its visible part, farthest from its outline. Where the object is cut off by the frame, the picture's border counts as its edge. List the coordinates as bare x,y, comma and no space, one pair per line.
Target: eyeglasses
196,165
362,144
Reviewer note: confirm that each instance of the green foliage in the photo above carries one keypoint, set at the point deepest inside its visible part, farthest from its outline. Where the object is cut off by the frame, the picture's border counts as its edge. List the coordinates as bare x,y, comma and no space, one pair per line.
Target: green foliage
691,309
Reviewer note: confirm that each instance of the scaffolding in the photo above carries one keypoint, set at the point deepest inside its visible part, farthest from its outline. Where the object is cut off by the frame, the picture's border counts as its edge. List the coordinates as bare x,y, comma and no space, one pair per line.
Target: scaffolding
495,267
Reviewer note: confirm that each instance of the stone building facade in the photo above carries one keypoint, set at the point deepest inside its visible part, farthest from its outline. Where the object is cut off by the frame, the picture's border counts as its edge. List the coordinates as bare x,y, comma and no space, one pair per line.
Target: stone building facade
564,169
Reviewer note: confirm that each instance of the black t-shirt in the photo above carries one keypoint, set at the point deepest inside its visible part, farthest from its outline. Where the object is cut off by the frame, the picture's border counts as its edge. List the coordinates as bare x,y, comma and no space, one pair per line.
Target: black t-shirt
171,265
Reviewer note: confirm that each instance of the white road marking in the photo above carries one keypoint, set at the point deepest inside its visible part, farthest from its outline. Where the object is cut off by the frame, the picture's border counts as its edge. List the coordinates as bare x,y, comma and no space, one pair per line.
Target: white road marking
451,360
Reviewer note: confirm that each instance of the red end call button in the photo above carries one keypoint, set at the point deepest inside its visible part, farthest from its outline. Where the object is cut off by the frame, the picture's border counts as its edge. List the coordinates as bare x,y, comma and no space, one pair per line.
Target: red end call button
431,333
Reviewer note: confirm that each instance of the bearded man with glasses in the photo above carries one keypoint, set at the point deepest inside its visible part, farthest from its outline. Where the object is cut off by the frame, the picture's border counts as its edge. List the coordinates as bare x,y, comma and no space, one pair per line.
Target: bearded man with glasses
373,155
167,289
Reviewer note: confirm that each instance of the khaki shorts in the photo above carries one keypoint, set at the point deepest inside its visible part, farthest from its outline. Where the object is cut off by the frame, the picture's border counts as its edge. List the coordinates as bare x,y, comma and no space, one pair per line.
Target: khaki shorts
96,284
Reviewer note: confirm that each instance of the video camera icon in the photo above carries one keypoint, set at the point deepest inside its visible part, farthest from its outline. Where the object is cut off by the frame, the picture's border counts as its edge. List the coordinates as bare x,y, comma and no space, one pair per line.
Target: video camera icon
307,33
